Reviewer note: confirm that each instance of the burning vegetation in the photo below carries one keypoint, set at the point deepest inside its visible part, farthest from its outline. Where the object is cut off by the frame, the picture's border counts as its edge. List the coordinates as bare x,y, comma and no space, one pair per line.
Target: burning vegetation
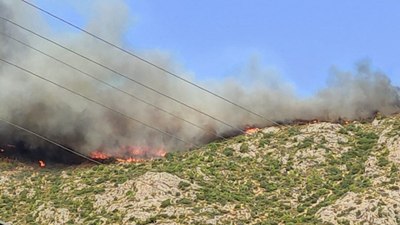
128,154
80,125
42,164
251,130
24,152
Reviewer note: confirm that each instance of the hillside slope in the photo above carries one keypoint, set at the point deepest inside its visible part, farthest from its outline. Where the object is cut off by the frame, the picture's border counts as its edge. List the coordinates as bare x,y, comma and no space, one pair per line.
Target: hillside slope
311,174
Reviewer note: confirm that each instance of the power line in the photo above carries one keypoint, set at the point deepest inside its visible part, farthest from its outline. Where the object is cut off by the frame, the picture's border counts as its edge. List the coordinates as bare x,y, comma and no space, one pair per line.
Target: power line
122,75
97,102
49,140
149,62
112,86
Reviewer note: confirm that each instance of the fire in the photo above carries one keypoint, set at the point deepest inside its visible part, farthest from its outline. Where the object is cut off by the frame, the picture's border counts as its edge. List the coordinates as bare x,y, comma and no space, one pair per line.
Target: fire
99,155
128,154
42,164
251,130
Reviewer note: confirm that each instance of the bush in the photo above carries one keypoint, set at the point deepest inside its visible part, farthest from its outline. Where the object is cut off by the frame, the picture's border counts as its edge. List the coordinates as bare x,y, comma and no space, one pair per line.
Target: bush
263,143
293,131
185,201
169,156
183,185
244,148
269,187
213,146
301,208
165,203
382,161
307,143
334,173
228,152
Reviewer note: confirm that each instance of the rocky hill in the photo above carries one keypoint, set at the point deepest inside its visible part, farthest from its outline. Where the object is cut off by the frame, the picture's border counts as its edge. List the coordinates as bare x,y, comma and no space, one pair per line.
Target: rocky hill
318,173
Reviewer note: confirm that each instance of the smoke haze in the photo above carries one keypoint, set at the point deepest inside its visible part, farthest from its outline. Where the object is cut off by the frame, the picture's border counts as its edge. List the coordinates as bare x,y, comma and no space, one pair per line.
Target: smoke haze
85,126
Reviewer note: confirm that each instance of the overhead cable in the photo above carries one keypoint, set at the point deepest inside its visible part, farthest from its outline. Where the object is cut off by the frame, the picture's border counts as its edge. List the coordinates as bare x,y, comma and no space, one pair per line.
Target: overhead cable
150,63
122,75
49,140
112,86
97,102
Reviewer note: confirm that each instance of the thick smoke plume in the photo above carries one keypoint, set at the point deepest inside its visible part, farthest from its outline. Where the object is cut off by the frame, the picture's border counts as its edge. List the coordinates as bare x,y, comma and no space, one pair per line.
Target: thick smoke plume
85,126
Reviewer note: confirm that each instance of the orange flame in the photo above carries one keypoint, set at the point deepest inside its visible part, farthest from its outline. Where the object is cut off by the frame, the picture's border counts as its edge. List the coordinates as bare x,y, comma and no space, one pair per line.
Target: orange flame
42,164
98,155
128,154
251,130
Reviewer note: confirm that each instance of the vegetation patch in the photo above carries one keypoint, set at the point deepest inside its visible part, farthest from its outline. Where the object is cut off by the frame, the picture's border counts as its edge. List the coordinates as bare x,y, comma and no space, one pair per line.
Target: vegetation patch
216,183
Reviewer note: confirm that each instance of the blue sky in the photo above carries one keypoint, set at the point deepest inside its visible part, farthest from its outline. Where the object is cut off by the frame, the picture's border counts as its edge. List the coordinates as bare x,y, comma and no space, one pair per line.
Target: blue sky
300,39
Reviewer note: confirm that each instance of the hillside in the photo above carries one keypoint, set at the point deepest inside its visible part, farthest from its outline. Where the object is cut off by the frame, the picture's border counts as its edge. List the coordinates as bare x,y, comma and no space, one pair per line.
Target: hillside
318,173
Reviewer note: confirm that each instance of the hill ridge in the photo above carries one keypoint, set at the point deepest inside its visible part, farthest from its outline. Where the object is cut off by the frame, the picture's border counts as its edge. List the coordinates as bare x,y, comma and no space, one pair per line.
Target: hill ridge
322,173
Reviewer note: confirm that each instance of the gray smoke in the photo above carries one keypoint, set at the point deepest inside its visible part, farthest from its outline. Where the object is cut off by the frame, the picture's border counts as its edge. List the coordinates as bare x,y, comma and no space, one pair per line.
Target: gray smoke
85,126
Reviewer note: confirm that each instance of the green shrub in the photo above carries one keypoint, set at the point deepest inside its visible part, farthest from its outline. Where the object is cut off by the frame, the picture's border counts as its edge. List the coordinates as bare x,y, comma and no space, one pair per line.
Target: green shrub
244,148
183,185
263,142
343,131
213,146
301,208
165,203
307,143
383,161
169,156
293,131
269,187
228,152
185,201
